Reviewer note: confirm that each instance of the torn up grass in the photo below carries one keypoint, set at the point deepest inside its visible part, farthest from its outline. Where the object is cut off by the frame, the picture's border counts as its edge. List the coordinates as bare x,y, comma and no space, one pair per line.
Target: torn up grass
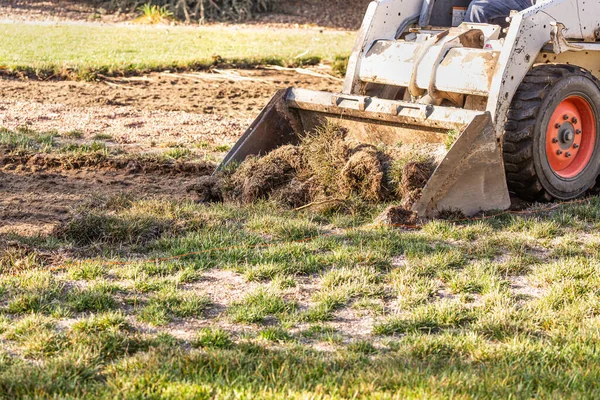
509,305
36,151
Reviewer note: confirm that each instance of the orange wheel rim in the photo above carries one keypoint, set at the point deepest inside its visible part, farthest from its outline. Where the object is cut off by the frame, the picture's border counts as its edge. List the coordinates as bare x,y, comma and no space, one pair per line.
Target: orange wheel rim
571,137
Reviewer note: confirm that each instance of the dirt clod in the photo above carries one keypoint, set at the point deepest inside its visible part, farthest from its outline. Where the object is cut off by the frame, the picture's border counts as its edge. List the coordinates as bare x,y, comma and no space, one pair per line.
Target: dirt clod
451,215
415,175
397,216
294,194
258,177
207,188
363,174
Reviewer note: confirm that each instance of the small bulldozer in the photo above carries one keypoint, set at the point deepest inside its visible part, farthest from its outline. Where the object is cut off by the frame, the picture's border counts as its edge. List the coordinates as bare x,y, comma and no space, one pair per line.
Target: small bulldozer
521,96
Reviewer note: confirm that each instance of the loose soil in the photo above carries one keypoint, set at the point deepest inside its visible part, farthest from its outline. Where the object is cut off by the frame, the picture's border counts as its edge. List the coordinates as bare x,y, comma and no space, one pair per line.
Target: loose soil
232,93
159,109
34,204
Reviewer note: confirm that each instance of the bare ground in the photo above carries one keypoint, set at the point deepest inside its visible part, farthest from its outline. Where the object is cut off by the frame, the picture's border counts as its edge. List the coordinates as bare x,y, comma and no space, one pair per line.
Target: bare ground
34,203
139,115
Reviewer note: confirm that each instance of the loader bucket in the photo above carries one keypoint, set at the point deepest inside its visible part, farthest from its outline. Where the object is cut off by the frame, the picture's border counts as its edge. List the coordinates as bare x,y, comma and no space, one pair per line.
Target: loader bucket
469,177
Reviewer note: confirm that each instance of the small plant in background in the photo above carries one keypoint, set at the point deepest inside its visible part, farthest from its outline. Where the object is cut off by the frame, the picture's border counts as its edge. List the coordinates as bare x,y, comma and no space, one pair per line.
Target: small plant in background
197,10
340,65
275,334
451,137
178,153
73,134
102,136
153,14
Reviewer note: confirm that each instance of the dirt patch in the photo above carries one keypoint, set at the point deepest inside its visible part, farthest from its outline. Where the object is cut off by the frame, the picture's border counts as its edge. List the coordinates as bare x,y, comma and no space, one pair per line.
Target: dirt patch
34,204
143,115
57,10
39,162
231,93
205,110
331,13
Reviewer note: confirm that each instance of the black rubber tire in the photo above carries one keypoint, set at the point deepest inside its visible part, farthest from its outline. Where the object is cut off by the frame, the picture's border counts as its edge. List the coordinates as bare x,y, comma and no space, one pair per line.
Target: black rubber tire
528,172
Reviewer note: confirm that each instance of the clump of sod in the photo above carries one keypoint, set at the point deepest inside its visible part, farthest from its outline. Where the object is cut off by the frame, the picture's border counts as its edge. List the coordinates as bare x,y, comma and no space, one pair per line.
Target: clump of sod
324,165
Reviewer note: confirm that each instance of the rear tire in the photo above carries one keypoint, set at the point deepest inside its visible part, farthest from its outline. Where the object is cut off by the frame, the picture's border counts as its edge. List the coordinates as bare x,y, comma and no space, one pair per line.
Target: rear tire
551,140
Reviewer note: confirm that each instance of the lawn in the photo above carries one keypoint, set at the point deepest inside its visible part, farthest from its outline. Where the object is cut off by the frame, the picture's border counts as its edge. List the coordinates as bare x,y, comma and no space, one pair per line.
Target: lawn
135,297
84,51
139,296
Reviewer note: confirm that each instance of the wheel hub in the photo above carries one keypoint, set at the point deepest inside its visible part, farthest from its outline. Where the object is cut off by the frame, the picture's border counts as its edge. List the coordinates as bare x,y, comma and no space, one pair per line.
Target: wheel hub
566,135
570,137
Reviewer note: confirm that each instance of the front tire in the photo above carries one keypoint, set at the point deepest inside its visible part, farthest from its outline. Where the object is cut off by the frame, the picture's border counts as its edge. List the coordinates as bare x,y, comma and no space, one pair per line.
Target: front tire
551,141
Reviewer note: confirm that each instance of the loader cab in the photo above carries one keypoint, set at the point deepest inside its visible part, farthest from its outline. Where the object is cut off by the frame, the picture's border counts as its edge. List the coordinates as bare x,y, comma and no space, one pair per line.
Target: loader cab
442,13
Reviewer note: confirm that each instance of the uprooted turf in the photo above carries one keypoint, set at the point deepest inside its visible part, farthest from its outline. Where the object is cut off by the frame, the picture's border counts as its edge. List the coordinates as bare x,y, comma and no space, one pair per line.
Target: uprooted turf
324,165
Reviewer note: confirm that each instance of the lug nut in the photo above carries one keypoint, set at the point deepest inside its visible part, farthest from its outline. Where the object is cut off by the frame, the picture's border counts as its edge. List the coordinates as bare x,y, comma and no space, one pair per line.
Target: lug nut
557,125
575,120
554,140
565,117
559,152
578,131
575,146
568,154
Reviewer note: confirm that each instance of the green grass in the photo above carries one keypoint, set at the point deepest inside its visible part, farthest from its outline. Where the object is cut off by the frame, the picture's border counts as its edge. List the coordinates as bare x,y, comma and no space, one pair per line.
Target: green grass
23,140
86,52
504,307
213,338
255,307
168,304
275,334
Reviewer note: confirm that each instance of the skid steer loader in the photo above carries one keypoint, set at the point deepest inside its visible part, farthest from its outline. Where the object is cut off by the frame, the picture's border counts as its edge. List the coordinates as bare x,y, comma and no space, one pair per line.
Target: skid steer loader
523,97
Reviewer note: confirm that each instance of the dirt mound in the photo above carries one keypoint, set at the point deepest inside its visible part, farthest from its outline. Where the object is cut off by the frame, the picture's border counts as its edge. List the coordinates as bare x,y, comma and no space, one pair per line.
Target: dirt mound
415,175
451,215
208,189
273,175
326,153
294,194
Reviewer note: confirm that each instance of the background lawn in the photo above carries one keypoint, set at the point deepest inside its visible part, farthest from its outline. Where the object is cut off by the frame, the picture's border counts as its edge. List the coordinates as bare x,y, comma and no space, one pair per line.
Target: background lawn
84,51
